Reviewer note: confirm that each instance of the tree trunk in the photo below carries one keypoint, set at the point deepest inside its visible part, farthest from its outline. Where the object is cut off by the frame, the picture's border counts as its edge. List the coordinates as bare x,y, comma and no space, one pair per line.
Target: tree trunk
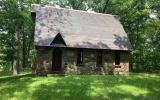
23,38
24,51
14,69
131,65
28,52
16,64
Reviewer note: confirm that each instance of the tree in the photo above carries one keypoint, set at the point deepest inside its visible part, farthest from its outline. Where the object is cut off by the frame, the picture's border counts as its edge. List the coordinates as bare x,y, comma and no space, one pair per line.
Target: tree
17,24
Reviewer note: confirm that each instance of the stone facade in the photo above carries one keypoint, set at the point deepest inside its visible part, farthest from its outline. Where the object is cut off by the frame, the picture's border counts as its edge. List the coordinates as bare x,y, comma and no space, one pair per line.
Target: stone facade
69,62
43,62
124,64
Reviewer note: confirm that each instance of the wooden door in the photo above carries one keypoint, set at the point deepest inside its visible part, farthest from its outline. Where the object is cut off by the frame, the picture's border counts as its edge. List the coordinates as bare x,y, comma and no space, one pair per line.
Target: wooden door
57,59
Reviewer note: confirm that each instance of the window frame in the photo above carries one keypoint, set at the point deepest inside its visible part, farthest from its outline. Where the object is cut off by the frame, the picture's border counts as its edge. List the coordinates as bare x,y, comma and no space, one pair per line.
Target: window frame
99,58
80,55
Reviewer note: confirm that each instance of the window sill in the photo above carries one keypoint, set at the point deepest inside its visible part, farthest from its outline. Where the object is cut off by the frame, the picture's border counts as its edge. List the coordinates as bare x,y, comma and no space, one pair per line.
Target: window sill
117,66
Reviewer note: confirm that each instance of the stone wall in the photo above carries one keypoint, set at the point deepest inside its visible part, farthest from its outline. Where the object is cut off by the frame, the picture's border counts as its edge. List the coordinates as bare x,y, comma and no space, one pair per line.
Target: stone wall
43,61
108,61
89,66
69,62
124,64
69,66
89,62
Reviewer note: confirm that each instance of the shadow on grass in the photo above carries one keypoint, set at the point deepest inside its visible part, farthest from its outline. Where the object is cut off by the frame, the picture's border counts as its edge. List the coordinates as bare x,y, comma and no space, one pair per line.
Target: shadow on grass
65,88
12,86
82,87
99,88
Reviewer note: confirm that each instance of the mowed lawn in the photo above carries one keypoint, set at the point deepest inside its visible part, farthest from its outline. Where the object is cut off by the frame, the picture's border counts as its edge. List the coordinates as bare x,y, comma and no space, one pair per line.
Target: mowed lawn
81,87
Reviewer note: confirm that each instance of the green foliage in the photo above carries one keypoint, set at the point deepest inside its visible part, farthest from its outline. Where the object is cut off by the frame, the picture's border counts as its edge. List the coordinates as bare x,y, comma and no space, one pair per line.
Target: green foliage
16,21
32,56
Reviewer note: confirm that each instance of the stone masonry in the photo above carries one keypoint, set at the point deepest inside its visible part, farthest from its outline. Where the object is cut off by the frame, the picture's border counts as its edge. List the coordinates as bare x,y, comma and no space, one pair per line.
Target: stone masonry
43,62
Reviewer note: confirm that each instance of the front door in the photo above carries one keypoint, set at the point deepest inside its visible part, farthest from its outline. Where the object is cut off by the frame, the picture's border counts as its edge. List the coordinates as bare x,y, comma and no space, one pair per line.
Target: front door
57,59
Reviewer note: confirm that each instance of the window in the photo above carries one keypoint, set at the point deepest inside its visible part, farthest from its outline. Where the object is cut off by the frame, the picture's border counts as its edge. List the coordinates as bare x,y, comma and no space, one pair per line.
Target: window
99,58
117,57
79,56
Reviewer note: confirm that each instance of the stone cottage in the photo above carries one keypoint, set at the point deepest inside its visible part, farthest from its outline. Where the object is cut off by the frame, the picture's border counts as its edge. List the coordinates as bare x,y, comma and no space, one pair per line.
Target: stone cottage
73,41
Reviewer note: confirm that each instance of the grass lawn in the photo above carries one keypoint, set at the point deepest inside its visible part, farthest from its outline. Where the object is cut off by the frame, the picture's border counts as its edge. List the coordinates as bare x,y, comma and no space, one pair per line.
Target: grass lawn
81,87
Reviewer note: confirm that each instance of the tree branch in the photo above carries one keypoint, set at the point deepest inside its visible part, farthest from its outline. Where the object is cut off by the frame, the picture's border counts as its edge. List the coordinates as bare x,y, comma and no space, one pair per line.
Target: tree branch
80,4
105,6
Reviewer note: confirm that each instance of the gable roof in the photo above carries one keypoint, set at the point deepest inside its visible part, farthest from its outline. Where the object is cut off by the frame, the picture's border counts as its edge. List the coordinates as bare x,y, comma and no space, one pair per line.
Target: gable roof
79,29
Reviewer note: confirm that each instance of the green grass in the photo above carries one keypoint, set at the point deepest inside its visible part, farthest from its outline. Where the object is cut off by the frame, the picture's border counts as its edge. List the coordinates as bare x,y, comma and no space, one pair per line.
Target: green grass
81,87
5,73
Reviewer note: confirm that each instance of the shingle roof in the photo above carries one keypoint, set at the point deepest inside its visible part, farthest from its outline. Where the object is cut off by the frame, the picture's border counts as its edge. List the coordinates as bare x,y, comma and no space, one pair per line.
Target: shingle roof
79,29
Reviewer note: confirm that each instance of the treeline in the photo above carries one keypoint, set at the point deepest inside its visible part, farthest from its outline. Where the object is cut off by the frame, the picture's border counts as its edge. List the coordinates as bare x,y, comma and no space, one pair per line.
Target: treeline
140,18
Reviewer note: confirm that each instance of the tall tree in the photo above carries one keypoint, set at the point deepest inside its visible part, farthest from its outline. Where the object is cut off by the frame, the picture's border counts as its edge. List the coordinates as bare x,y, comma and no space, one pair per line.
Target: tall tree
10,15
18,24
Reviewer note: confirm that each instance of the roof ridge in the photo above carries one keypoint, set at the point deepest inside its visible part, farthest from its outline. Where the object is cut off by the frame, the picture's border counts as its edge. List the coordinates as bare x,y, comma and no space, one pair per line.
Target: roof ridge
96,13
